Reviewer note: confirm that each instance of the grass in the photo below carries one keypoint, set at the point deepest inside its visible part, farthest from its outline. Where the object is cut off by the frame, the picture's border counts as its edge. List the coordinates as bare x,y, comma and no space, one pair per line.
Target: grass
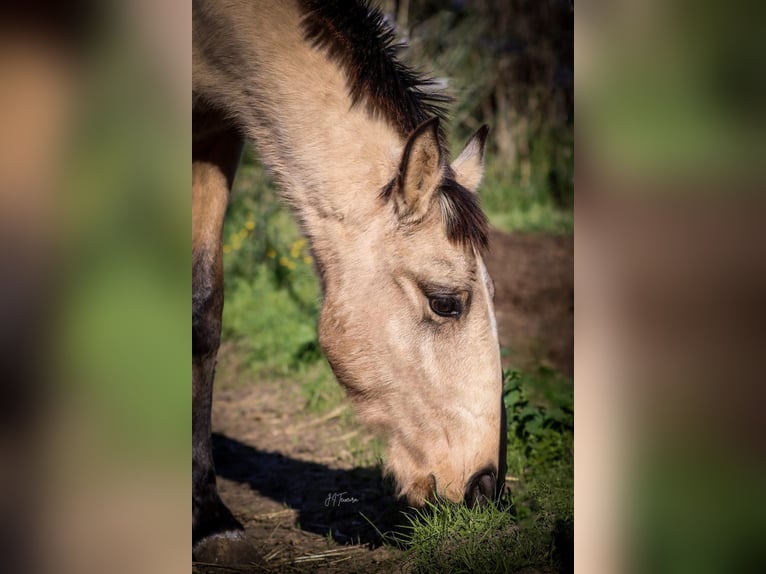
455,538
272,304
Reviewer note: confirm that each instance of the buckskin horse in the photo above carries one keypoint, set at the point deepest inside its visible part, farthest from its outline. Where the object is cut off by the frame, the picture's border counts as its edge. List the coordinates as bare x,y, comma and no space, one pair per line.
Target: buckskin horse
355,140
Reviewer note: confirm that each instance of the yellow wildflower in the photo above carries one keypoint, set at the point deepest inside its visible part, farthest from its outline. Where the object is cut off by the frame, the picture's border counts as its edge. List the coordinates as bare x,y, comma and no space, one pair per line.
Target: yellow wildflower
295,248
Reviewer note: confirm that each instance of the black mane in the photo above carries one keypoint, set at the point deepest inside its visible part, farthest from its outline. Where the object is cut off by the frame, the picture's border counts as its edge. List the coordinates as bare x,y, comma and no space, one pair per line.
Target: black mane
357,37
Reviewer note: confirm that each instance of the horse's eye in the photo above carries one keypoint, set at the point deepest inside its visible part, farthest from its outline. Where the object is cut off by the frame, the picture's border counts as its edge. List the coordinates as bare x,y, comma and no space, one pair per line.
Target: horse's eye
446,306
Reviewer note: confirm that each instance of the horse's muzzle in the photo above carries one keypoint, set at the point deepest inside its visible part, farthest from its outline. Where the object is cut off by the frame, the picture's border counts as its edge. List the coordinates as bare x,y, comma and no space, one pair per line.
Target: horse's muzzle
481,487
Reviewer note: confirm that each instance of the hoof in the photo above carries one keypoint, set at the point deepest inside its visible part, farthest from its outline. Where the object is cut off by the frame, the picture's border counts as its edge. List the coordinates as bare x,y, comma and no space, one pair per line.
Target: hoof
227,548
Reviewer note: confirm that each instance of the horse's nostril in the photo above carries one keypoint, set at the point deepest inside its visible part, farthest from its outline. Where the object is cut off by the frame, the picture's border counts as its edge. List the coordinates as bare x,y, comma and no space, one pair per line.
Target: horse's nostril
481,488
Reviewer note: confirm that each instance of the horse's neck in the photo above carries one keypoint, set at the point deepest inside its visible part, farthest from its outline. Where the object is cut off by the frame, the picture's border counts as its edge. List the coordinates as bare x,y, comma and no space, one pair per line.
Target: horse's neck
331,158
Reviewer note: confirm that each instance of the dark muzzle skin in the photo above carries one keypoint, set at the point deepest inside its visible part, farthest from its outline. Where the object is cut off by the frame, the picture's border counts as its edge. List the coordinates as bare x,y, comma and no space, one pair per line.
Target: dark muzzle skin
481,487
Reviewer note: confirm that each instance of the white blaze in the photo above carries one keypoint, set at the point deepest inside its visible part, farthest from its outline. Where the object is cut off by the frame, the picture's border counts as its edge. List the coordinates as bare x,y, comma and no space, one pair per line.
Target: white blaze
485,281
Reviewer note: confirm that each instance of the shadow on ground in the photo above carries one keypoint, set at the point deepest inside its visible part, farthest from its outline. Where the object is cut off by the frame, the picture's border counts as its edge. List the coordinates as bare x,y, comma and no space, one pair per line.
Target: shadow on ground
327,500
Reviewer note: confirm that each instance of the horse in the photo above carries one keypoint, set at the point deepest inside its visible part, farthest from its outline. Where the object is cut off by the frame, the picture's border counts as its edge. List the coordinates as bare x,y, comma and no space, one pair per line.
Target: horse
355,140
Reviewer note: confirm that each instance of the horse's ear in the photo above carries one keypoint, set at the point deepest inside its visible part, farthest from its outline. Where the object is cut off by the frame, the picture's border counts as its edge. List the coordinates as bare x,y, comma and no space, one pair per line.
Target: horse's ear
420,171
469,166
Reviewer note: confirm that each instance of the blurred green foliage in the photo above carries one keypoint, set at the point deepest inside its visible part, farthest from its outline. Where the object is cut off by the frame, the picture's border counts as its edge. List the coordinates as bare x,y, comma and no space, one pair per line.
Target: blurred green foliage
509,64
122,219
696,509
272,296
673,91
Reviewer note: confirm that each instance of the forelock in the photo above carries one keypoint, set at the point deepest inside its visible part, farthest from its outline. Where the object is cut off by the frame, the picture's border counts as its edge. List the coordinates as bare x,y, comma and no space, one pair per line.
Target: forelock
462,216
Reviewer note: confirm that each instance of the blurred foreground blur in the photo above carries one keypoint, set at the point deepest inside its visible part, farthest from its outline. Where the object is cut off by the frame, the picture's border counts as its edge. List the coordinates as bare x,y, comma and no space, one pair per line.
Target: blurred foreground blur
94,263
94,268
670,278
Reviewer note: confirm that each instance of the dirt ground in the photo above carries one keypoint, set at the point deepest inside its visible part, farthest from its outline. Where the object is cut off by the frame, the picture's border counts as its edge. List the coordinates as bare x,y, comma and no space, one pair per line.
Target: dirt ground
290,476
534,298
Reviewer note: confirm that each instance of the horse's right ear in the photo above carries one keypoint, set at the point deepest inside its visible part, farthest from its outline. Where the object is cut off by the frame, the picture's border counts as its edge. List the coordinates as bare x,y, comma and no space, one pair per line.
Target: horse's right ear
420,172
469,166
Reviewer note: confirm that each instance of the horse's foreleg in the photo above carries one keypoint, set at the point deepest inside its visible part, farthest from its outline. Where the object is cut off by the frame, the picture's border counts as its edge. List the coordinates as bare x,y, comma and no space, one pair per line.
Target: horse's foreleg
214,163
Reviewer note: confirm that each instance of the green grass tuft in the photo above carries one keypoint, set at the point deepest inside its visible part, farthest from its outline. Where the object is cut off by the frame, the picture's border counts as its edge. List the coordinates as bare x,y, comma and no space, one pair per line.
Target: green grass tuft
447,537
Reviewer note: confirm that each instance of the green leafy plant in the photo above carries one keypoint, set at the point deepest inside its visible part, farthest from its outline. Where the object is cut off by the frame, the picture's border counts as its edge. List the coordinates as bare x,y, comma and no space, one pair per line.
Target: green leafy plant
540,414
543,434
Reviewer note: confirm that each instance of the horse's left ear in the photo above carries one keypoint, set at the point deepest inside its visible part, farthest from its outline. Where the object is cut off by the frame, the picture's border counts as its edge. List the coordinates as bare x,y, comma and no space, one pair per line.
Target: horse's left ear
469,166
420,172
